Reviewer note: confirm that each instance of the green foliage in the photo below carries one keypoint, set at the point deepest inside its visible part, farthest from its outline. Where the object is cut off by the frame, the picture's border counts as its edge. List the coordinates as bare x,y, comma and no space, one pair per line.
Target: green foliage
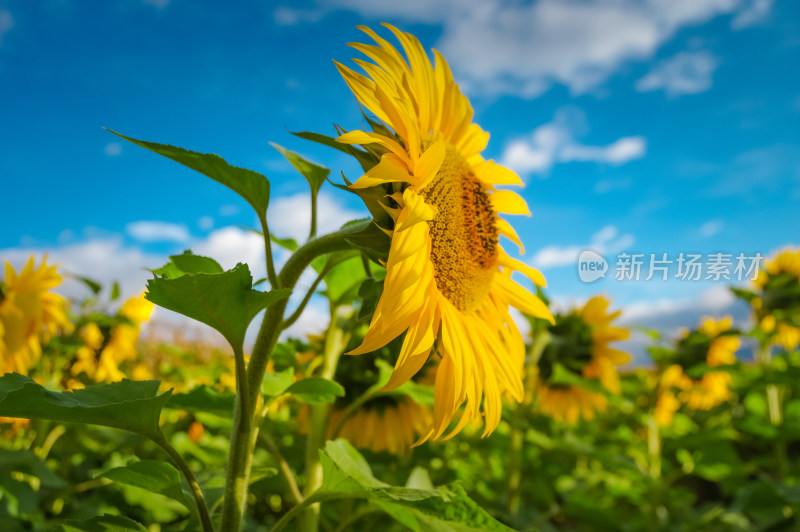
204,399
251,186
316,390
224,301
314,174
106,523
152,475
127,405
448,508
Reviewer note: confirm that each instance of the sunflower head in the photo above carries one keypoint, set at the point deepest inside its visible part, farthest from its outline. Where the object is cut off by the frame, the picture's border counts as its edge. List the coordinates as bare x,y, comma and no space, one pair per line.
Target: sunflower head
29,314
448,281
776,299
687,377
577,352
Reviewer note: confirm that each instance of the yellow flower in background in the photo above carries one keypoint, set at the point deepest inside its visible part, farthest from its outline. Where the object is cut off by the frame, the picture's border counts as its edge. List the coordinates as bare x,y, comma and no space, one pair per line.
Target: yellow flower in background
711,344
384,424
579,343
100,358
30,314
777,307
448,282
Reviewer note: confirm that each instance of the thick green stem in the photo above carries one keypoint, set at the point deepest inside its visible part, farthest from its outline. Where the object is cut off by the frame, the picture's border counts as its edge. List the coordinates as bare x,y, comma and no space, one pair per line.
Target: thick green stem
197,493
335,343
313,231
241,455
245,430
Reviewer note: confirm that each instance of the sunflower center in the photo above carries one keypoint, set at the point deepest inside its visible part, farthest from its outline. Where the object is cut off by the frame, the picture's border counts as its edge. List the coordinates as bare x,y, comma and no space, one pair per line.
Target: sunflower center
463,233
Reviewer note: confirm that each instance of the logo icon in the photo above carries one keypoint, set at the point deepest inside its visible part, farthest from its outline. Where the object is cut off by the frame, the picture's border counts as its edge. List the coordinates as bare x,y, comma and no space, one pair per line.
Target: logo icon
591,266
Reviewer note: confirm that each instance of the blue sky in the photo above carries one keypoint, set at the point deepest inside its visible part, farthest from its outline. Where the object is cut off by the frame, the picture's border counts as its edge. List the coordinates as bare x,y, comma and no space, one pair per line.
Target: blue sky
652,127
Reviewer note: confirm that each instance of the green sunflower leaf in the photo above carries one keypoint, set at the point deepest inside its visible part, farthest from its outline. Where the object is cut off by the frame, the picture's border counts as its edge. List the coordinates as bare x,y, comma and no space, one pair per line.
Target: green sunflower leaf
204,399
134,406
314,174
156,476
251,186
105,523
188,262
316,390
448,508
224,301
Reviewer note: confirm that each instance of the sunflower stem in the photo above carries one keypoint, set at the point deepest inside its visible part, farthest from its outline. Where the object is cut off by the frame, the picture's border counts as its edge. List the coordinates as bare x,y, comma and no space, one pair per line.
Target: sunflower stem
271,275
197,493
296,314
245,430
313,231
653,447
335,342
774,406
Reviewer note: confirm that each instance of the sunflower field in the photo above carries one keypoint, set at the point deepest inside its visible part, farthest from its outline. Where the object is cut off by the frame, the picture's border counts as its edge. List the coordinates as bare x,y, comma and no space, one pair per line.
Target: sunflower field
425,404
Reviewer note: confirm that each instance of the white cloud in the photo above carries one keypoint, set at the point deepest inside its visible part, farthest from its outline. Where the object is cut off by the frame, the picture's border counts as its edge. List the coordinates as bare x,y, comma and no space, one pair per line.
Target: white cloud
669,314
684,73
505,46
555,142
290,216
231,245
752,14
710,228
313,320
6,23
113,149
104,260
156,231
606,240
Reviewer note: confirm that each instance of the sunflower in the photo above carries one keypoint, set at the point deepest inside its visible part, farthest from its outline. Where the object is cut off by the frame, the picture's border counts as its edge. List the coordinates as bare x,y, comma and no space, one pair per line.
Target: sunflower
29,314
777,302
384,424
100,357
448,282
578,349
713,344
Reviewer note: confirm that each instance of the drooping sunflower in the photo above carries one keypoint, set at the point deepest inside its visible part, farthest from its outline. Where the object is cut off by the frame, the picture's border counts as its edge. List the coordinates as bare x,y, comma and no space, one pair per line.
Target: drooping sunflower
29,314
578,347
448,282
386,424
777,304
713,344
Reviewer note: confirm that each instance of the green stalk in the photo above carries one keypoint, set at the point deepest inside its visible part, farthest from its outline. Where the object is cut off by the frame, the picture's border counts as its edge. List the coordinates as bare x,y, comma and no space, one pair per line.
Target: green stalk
515,475
271,275
774,407
335,342
654,446
313,231
197,493
314,499
245,430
